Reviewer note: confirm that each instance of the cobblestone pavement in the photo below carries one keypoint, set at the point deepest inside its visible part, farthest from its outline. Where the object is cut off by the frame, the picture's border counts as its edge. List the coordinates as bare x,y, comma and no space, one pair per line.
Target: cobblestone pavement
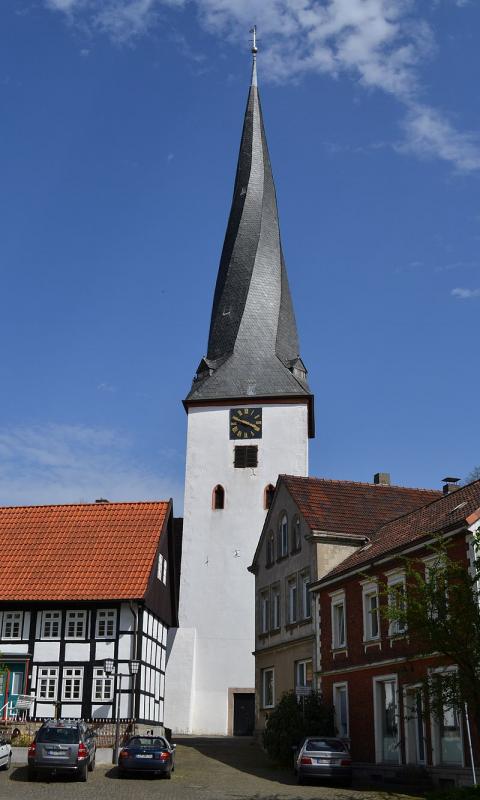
206,769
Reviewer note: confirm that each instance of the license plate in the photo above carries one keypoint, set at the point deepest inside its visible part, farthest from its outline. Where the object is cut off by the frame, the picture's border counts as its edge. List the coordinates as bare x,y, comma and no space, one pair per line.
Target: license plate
321,760
145,755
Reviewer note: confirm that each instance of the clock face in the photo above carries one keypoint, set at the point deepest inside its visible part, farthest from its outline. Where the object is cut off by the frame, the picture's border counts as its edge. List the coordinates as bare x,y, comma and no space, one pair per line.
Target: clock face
245,423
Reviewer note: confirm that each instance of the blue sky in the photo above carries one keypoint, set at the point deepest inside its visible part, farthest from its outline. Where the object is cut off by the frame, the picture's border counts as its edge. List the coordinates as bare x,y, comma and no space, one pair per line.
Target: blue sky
120,125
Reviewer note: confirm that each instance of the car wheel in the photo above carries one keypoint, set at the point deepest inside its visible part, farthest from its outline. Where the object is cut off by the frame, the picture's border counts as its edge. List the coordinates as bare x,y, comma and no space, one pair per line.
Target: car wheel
31,774
300,780
91,766
168,774
83,773
7,766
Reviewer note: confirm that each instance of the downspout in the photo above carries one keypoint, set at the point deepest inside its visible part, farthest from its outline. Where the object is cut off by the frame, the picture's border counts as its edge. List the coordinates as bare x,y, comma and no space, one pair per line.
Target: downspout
134,610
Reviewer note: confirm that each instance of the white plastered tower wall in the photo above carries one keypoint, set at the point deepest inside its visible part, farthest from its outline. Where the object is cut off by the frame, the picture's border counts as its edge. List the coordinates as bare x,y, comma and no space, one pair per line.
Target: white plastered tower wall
211,652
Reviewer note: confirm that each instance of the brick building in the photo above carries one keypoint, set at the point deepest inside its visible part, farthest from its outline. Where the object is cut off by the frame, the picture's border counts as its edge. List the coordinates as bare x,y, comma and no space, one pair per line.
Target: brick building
370,670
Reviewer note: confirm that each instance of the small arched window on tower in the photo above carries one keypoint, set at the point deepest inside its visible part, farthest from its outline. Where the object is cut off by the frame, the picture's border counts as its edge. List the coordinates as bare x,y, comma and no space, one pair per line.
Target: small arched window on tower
268,496
218,498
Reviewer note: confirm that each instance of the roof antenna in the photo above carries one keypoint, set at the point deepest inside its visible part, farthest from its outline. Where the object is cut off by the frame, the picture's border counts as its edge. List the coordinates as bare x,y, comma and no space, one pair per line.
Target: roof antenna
253,31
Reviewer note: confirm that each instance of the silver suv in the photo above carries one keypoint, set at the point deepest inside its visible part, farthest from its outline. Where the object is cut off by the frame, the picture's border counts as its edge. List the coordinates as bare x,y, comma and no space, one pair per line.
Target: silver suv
63,745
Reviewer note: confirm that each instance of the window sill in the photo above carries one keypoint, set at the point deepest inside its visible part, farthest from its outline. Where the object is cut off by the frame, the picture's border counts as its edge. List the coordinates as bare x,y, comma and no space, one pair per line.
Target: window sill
397,637
291,625
305,621
339,651
294,552
270,565
282,558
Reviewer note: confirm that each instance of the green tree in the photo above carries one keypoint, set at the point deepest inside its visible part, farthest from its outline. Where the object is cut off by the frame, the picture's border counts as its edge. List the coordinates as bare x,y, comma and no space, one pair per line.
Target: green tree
291,720
441,613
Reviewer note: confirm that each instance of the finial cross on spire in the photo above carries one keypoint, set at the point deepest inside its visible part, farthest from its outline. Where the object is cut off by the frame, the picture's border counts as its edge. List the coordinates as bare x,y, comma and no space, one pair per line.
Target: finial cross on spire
254,40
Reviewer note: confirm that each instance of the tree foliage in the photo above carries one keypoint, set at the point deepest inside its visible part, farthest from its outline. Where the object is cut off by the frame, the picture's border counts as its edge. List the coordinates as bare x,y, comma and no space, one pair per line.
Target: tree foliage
291,720
441,615
474,475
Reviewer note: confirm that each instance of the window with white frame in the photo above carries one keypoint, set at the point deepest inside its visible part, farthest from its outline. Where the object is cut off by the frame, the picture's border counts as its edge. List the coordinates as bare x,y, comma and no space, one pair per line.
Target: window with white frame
76,625
340,704
292,595
72,683
102,688
306,598
447,731
162,569
339,628
387,744
296,535
436,585
276,621
304,674
268,687
264,611
371,616
396,601
12,625
47,683
106,623
283,536
51,624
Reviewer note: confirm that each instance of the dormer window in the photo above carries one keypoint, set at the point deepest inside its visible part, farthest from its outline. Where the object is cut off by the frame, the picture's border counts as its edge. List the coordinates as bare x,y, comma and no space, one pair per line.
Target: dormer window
218,498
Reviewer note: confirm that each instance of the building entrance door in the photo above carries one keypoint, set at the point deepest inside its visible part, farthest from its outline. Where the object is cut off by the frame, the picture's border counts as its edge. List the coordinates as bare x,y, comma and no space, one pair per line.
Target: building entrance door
11,685
415,735
243,713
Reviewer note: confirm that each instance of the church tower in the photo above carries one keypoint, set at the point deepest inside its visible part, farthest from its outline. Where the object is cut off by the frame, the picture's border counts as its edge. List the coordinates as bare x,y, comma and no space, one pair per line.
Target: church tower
250,413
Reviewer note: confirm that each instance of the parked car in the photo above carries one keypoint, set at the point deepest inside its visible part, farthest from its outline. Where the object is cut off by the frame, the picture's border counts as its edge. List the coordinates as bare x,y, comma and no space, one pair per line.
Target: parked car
5,754
147,754
63,745
323,757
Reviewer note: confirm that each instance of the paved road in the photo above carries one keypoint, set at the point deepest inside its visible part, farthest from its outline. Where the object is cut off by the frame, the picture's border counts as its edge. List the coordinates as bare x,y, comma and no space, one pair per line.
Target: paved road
207,769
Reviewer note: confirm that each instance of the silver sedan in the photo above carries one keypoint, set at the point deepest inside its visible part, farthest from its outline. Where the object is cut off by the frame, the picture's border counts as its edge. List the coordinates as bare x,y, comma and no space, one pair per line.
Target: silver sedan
324,757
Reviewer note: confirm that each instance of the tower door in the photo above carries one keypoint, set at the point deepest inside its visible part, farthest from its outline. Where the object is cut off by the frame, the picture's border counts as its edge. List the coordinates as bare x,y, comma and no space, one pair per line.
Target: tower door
243,714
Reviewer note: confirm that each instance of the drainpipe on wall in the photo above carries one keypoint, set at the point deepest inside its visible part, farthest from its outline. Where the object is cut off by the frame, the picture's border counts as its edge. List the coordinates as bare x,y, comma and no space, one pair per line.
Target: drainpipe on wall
134,610
470,745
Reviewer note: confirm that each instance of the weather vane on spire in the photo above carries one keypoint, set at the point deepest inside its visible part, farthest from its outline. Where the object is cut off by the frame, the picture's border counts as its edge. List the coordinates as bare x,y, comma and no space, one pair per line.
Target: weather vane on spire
254,40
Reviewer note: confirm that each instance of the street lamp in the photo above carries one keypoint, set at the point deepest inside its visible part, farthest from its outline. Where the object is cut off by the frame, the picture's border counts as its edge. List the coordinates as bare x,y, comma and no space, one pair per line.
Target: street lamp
109,669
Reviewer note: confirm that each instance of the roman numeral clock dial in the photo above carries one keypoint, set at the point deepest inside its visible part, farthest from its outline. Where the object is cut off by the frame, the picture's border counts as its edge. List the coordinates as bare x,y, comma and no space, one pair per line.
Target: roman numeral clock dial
245,423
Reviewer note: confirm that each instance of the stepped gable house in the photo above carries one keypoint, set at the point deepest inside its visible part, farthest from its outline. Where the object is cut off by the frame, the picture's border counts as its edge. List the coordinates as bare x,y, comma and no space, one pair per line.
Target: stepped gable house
80,584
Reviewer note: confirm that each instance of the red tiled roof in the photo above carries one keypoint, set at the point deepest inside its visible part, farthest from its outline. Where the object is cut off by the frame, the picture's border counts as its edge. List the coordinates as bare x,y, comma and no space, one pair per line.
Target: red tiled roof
350,507
79,552
448,512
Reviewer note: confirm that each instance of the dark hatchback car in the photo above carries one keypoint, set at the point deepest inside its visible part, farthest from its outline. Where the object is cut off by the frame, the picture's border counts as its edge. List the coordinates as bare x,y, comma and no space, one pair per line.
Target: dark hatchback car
62,746
323,758
147,754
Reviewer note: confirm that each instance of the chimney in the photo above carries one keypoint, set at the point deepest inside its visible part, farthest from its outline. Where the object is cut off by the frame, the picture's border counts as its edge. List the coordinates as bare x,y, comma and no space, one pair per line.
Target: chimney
381,479
102,500
450,484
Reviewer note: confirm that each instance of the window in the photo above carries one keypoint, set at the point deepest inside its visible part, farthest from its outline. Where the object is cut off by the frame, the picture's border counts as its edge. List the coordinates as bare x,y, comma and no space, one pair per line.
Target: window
106,624
268,496
264,611
292,593
268,688
162,569
447,730
371,619
102,686
340,704
51,621
72,684
396,600
306,598
270,549
218,498
386,720
283,536
47,683
437,586
12,625
304,675
296,536
276,622
339,636
76,625
245,456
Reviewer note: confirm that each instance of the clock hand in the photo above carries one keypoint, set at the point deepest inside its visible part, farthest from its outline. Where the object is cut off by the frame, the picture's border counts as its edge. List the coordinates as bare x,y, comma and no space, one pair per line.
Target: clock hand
246,422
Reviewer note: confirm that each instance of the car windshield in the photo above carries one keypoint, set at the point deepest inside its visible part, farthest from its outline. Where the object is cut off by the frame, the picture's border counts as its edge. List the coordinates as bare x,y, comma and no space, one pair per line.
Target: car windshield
60,735
146,741
331,745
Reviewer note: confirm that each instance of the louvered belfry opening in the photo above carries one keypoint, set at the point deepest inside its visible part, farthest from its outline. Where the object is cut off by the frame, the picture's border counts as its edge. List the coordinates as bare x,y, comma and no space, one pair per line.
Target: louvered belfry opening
245,456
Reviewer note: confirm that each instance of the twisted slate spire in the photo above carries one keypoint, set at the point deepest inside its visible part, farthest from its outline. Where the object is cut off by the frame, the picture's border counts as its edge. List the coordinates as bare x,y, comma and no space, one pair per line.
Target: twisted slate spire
253,342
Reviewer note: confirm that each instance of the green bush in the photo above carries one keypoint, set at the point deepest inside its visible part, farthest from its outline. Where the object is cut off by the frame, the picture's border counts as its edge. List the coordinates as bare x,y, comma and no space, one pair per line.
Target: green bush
468,793
291,720
24,740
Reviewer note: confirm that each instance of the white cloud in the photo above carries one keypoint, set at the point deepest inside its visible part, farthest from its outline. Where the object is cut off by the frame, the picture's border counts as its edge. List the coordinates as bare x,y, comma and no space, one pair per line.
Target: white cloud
380,44
465,294
74,463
